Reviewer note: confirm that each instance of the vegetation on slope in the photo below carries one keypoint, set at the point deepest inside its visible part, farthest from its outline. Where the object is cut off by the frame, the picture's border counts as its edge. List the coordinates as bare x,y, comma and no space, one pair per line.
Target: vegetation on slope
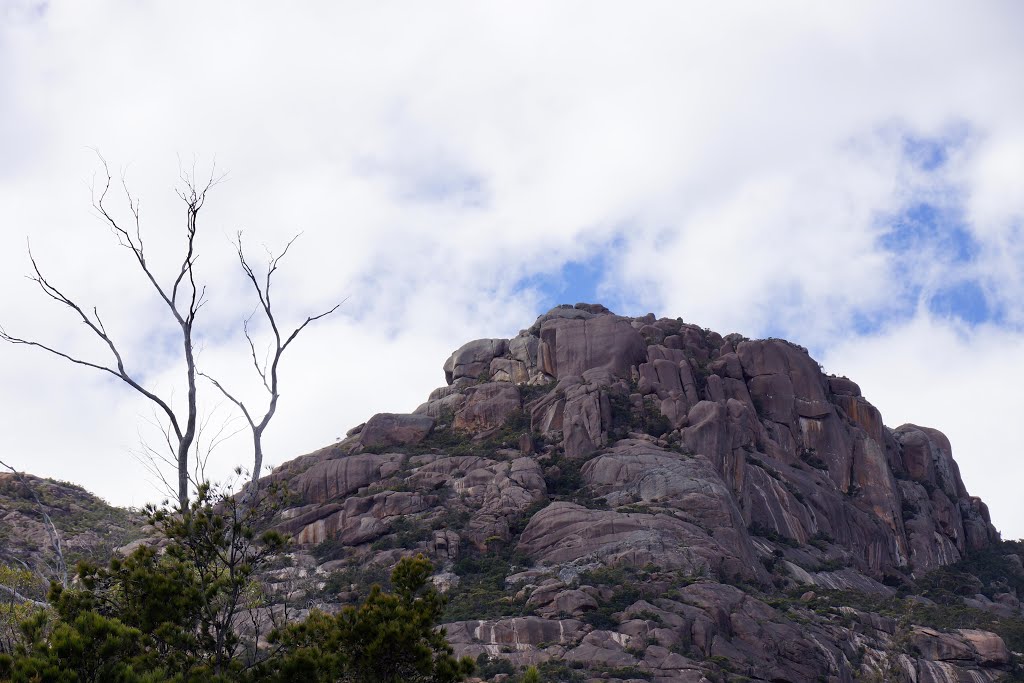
197,611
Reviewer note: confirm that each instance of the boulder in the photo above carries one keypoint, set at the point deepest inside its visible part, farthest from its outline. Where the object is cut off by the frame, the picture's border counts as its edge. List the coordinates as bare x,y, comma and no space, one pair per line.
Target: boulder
935,645
789,382
928,457
607,648
989,649
395,429
360,520
509,370
487,406
841,386
339,477
439,407
514,634
585,418
565,532
569,347
473,359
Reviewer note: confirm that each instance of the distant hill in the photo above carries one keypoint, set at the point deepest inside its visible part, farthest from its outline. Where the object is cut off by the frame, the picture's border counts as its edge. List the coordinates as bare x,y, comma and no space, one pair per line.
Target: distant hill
89,527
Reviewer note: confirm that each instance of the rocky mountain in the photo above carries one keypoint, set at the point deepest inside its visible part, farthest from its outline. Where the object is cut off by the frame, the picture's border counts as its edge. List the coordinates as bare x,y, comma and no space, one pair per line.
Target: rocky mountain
616,498
89,528
639,499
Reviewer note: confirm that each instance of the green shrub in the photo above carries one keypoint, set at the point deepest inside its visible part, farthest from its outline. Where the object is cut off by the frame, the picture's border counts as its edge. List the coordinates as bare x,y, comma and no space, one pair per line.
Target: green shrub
810,456
758,529
358,580
329,549
170,614
552,671
562,477
404,532
390,638
629,585
481,592
531,392
938,616
488,667
626,418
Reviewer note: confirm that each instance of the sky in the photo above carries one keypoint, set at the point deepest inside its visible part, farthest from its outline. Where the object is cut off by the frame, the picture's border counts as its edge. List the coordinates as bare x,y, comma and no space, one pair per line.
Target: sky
847,175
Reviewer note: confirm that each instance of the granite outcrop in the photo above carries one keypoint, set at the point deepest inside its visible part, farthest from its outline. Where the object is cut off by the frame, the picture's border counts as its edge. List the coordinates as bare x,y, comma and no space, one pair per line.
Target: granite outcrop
645,499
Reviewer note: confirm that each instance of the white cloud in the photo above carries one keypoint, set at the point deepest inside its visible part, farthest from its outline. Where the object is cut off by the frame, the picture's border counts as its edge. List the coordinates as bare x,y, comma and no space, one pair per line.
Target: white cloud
739,158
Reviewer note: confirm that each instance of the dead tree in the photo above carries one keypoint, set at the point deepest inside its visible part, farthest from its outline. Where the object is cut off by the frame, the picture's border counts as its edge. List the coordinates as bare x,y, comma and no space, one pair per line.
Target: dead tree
268,371
182,297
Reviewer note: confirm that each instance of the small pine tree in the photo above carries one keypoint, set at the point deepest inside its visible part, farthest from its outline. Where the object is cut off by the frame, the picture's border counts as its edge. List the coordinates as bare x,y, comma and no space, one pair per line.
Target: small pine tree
390,638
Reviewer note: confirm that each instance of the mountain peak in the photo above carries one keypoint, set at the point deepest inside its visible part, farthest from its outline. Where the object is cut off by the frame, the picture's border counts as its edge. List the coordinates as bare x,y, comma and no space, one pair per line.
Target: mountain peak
593,445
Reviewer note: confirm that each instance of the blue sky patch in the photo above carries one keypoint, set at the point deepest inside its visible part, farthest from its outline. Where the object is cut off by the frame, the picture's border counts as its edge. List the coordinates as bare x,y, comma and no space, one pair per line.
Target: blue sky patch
921,239
963,300
872,322
925,227
929,241
926,154
446,184
574,282
930,153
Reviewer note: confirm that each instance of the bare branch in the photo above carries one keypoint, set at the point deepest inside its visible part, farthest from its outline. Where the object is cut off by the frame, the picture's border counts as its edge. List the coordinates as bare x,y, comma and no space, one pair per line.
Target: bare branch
206,443
21,598
151,458
145,458
221,435
98,329
228,396
262,371
310,319
262,286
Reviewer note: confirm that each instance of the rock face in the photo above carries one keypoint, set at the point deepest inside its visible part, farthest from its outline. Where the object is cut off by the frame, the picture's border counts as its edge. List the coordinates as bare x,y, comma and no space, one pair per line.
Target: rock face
644,495
389,429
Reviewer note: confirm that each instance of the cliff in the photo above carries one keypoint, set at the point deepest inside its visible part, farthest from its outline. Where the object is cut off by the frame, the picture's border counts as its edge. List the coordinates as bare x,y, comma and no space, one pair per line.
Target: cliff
644,499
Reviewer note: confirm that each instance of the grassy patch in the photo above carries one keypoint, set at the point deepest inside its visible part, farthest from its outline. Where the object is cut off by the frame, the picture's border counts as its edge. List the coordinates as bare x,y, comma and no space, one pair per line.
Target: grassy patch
329,549
447,439
628,584
559,672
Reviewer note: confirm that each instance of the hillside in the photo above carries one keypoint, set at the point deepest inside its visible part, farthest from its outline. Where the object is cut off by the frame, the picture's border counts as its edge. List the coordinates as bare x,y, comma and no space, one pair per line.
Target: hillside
89,528
643,499
634,499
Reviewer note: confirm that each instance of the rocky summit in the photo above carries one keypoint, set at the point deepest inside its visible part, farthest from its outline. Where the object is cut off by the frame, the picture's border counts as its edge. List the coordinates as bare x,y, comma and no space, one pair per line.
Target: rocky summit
615,498
639,499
